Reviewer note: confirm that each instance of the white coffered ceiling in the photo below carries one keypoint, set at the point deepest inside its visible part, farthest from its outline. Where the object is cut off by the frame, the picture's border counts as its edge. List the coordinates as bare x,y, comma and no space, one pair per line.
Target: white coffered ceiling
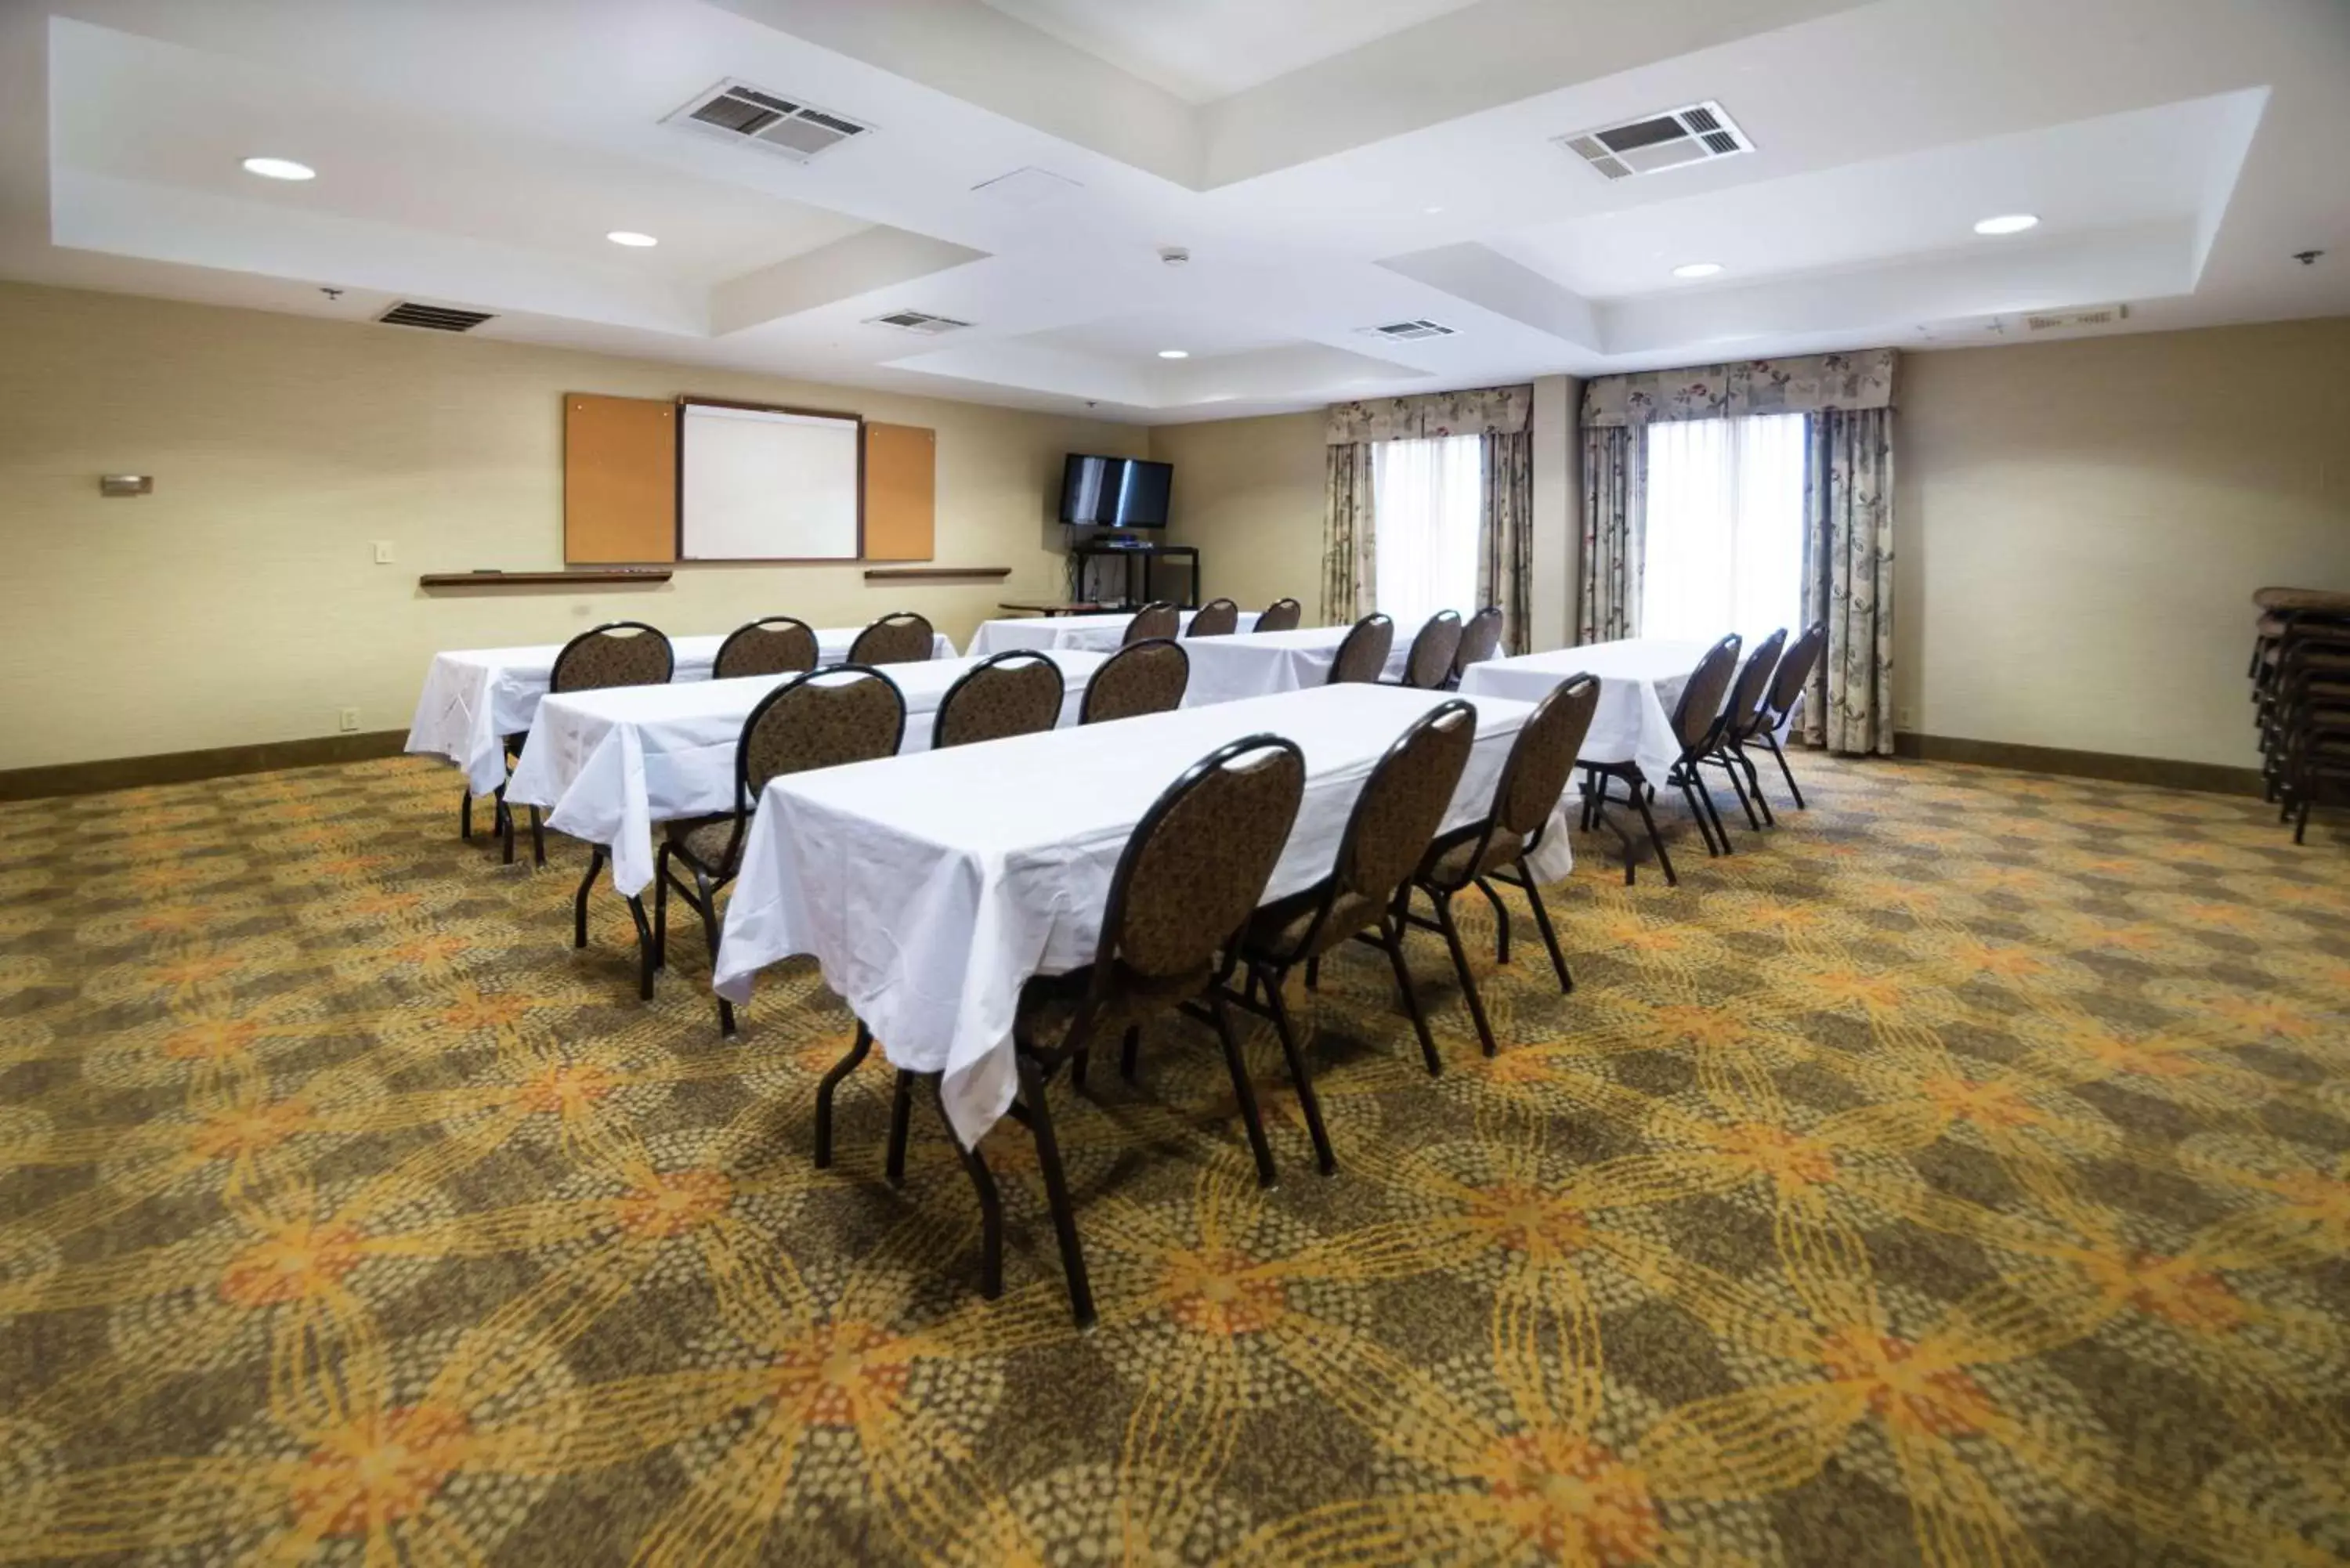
1328,166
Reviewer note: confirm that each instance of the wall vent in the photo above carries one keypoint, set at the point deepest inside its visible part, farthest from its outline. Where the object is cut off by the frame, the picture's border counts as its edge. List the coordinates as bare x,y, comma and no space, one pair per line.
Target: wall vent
919,321
1408,331
753,116
1696,134
2092,315
432,317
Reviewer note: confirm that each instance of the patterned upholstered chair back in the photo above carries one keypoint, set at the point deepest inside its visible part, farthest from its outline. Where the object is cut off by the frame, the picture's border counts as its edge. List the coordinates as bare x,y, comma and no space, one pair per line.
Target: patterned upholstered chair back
904,638
1217,617
618,653
1794,672
1542,760
774,644
1140,678
1700,704
1430,664
1197,865
1363,657
849,714
1403,803
1753,684
1015,693
1480,640
1153,620
1282,614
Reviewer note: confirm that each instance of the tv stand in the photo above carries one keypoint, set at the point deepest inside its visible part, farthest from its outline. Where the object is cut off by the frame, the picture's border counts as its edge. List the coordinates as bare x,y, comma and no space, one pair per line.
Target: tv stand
1129,551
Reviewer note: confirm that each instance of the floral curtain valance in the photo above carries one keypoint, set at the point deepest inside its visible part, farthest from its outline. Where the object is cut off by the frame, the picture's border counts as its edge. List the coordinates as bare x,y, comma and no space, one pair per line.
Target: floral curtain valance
1805,386
1487,411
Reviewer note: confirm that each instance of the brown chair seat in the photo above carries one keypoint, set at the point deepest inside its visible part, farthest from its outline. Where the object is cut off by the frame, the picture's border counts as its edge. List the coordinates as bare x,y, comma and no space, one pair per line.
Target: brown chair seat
1281,927
706,840
1459,863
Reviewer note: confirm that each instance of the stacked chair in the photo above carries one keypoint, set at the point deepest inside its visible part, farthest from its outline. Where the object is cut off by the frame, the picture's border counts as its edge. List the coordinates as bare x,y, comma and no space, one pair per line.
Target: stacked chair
2301,692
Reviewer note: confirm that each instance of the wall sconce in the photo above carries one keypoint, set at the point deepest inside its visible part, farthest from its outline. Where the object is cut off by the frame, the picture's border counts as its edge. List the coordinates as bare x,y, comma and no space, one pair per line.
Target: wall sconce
126,484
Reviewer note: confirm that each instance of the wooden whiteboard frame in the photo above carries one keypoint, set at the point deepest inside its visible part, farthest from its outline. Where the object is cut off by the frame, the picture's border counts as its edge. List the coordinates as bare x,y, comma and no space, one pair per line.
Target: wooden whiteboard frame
684,402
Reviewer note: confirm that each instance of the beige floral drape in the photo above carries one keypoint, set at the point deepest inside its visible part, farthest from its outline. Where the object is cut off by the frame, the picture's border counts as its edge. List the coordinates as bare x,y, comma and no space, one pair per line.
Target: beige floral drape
1849,578
1503,416
1614,485
1348,547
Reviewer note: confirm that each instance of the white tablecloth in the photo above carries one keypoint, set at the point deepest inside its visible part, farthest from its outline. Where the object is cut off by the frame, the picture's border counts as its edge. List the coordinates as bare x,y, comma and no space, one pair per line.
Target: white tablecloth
613,762
474,698
1225,669
1095,633
930,887
1640,679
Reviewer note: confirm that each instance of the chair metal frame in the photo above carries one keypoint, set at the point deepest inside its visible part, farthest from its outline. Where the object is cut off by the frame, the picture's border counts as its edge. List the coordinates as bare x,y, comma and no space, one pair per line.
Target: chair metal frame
857,653
1085,714
1226,621
1274,619
971,678
1638,788
502,821
1373,628
718,670
1434,649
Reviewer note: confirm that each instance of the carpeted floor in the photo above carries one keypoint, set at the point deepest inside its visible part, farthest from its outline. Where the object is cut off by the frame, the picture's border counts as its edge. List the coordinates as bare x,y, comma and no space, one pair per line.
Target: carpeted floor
1960,1173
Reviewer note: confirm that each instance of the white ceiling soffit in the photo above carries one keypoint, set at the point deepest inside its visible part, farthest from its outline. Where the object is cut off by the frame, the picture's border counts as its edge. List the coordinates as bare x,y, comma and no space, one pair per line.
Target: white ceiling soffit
1399,165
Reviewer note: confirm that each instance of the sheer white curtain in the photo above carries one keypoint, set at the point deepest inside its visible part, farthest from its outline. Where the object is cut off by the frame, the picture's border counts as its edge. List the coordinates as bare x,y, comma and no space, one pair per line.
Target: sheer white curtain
1725,528
1425,498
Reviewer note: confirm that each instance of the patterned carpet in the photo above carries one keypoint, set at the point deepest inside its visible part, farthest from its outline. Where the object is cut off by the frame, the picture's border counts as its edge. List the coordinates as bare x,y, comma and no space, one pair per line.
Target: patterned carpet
1961,1174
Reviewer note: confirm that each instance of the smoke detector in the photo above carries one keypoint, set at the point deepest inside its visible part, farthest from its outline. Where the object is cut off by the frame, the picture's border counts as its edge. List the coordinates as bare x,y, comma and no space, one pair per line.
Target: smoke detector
1174,255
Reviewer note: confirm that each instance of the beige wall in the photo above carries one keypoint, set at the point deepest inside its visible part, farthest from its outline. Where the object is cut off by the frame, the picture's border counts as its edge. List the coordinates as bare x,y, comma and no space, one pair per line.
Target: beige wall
2079,527
240,602
1248,493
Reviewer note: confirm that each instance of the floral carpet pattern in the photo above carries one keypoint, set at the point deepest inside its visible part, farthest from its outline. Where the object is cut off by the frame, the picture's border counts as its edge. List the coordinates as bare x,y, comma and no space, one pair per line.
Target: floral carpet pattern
1960,1174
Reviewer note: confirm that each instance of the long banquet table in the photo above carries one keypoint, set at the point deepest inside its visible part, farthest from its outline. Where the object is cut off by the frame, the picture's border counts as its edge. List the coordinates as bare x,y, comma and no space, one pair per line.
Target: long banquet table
613,762
473,697
1640,679
929,887
1224,668
1095,633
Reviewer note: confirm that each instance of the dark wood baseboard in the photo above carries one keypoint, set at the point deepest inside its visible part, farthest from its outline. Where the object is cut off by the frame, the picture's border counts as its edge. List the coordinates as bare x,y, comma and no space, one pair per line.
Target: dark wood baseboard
182,767
2161,772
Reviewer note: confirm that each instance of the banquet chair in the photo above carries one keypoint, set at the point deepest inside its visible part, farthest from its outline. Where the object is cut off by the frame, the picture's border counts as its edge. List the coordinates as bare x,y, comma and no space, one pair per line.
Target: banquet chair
1428,664
618,653
1015,693
1750,698
1481,639
1363,656
1282,614
1533,780
824,719
1154,620
1217,617
903,637
1695,720
1140,678
1388,834
1188,879
773,645
1787,683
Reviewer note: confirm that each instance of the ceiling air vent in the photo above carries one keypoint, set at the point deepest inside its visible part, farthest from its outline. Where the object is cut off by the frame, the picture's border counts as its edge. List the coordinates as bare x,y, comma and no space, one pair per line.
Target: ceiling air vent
432,317
1408,331
748,116
2094,316
1696,134
919,321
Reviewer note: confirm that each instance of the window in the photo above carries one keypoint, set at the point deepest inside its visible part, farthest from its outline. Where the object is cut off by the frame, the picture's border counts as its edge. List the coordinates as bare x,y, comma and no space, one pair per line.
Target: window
1426,497
1725,528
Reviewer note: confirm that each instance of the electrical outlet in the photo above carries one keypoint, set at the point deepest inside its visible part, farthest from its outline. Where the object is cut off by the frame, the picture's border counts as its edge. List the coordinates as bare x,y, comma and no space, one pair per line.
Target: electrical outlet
1904,717
383,551
350,718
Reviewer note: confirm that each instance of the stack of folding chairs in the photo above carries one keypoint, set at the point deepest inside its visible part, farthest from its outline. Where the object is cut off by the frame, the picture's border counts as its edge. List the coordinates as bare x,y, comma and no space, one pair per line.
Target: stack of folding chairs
2301,686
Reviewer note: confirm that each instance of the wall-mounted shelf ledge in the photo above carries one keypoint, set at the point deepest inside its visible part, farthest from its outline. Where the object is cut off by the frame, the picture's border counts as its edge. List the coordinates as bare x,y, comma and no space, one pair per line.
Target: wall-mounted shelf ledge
935,574
543,580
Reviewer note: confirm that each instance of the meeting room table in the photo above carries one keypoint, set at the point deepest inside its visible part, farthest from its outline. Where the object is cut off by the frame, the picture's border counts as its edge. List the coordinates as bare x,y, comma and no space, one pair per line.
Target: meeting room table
609,764
1097,633
1640,679
929,887
1225,669
474,698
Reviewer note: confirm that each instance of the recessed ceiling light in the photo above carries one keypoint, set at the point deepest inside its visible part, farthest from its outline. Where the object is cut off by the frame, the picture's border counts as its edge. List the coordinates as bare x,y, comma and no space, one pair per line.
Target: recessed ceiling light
2007,223
279,169
630,237
1174,353
1697,269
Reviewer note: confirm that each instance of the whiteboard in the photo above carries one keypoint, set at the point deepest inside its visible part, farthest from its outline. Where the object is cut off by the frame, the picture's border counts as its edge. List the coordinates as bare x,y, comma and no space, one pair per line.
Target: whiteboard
759,484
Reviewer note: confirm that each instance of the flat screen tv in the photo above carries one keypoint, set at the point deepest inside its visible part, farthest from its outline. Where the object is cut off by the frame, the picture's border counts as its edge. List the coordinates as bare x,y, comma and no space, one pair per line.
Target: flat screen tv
1115,491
